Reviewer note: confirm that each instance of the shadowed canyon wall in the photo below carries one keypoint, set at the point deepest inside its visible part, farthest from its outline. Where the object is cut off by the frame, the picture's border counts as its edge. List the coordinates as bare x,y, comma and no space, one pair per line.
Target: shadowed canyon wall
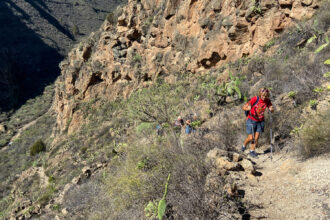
35,35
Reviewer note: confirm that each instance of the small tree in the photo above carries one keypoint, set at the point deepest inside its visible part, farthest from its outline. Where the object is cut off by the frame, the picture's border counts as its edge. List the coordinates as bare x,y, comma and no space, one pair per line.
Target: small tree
159,104
37,147
75,30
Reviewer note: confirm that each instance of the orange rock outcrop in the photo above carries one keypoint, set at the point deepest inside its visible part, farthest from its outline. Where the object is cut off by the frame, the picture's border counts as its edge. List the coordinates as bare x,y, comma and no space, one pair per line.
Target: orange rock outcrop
153,38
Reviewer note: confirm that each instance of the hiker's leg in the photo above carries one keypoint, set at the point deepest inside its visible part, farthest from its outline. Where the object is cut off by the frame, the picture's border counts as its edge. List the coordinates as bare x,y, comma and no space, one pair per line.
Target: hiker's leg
249,131
248,140
256,138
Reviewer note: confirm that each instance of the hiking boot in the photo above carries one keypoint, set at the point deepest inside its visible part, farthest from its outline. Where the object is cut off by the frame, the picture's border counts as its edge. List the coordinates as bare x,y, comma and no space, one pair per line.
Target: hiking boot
253,154
243,148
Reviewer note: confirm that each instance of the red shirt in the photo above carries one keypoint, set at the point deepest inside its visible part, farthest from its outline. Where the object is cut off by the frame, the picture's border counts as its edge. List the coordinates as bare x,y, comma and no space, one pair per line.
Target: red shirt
258,110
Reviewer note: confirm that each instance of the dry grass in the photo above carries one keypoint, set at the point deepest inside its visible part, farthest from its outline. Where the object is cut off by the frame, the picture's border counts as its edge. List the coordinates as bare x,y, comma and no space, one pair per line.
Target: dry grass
314,137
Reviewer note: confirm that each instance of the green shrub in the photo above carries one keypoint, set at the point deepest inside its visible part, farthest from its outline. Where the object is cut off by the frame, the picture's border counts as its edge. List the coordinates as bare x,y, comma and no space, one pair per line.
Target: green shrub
151,210
136,58
159,103
196,124
83,149
56,207
268,45
51,179
216,93
311,39
143,164
37,147
144,128
296,130
314,136
47,195
320,48
292,94
318,90
75,30
313,103
111,18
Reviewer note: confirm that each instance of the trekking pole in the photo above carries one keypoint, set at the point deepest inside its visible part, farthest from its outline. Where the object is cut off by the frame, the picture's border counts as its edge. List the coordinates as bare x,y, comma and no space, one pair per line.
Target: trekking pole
271,130
271,135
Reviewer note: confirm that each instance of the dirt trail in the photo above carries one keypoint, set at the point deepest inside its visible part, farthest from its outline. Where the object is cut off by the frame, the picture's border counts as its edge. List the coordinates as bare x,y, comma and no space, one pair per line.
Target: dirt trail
289,189
20,130
19,133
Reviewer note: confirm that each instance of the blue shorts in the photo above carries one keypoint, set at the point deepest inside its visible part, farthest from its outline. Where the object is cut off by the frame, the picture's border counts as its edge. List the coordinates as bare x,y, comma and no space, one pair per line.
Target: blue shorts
188,129
256,126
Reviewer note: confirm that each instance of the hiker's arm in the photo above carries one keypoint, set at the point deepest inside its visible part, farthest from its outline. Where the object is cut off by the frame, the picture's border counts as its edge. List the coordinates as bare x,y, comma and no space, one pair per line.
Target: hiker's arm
246,107
271,109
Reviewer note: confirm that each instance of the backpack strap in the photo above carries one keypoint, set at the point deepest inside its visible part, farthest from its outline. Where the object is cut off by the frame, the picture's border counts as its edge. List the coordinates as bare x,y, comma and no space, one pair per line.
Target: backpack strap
256,102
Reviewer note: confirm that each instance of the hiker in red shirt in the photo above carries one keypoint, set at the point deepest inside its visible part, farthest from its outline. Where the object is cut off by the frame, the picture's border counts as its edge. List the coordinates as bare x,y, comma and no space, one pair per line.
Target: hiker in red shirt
255,123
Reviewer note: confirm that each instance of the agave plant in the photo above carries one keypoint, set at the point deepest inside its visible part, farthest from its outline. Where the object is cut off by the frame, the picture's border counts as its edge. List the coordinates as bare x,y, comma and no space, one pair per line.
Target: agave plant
230,88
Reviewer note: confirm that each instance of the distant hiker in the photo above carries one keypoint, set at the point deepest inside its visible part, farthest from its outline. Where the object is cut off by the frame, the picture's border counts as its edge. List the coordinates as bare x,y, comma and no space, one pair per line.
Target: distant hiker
188,127
195,117
159,129
178,124
255,109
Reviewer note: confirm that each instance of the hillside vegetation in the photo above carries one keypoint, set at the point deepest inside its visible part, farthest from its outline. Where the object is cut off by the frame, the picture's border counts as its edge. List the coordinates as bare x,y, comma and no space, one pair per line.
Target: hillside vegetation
116,166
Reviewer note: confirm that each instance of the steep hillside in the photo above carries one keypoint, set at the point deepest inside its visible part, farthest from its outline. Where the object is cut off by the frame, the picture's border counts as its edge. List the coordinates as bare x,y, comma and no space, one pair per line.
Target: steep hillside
96,153
36,36
157,38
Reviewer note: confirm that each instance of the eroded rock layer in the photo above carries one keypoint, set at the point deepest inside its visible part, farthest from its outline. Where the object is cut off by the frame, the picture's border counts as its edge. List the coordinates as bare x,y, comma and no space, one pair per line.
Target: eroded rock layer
152,38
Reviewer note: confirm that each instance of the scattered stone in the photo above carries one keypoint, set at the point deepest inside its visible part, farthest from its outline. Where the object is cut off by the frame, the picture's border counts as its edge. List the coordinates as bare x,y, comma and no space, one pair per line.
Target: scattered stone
257,74
36,210
87,171
2,128
65,212
231,189
99,165
230,99
76,180
224,163
307,2
285,2
247,166
236,157
215,153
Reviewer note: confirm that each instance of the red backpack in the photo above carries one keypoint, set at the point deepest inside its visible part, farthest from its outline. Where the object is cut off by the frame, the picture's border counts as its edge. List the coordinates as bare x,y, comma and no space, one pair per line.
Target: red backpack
256,102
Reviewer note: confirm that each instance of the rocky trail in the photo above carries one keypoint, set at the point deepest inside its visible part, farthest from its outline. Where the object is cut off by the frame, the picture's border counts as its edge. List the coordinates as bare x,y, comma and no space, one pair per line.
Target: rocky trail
26,126
19,132
288,188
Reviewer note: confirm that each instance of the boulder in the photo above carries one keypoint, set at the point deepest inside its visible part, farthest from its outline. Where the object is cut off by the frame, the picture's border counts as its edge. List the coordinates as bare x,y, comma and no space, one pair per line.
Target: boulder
223,163
236,157
285,2
247,166
2,128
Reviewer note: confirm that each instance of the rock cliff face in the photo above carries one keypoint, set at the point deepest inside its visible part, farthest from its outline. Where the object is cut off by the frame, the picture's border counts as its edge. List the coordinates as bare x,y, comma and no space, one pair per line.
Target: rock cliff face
152,38
35,36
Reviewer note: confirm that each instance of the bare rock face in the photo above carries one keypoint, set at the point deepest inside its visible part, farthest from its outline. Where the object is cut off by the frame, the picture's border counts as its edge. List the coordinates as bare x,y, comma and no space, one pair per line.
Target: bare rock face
158,38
